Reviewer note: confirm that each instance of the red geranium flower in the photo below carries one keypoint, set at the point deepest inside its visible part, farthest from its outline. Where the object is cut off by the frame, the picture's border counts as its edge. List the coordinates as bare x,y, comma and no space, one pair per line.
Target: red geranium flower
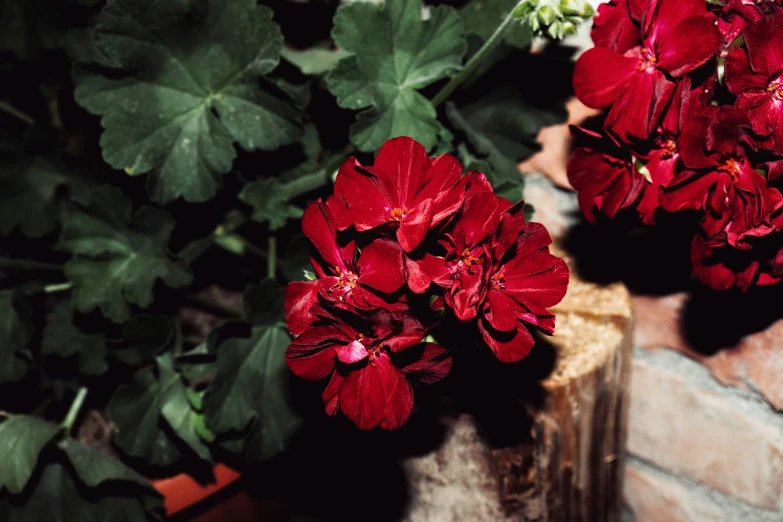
343,277
603,173
755,76
371,358
404,190
639,82
511,281
613,27
720,178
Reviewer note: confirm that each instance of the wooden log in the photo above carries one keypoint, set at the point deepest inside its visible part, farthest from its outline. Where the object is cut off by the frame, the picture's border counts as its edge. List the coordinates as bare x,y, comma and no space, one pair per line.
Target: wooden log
571,467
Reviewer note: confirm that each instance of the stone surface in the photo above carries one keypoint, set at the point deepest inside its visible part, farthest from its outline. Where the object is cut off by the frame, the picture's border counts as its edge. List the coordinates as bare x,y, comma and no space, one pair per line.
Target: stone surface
756,363
691,430
654,498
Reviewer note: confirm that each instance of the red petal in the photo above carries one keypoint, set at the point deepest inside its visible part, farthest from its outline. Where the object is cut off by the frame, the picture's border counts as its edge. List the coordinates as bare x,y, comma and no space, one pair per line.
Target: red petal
299,298
408,331
398,392
465,296
404,168
425,271
312,355
480,216
679,53
330,394
361,397
688,190
443,176
764,39
351,353
739,77
318,226
507,346
639,109
601,76
381,266
414,226
637,8
662,16
369,201
614,29
427,363
502,311
539,277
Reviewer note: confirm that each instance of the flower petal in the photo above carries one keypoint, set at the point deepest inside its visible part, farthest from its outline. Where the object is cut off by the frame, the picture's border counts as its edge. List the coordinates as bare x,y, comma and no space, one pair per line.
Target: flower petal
426,363
381,266
601,76
613,27
318,224
426,270
507,346
639,109
299,298
764,39
739,76
398,392
329,395
351,353
312,354
362,398
404,168
369,201
501,311
679,53
415,225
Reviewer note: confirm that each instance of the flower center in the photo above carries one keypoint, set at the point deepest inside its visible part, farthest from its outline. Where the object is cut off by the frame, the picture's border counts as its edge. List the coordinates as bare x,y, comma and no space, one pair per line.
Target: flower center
398,213
732,168
647,61
498,281
669,150
467,258
775,88
345,283
372,352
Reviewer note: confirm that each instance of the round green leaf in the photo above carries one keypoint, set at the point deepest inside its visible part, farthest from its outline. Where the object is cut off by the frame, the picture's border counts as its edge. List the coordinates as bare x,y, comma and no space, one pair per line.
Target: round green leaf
22,439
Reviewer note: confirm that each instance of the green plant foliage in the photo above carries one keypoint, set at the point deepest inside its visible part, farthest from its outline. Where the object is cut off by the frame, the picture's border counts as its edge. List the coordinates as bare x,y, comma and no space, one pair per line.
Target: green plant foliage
270,204
394,53
152,415
21,441
15,333
63,339
118,255
481,18
186,82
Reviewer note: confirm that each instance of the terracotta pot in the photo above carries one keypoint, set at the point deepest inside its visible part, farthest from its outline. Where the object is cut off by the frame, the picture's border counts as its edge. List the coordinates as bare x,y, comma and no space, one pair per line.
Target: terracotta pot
186,499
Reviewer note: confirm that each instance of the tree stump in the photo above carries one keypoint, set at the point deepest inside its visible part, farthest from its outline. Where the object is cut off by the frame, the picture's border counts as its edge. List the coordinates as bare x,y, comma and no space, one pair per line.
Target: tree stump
572,467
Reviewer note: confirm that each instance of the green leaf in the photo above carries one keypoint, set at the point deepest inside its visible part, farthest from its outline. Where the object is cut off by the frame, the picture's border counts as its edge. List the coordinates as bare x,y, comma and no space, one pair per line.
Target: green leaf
27,27
270,204
28,195
95,468
15,334
149,408
58,497
296,260
118,256
314,61
482,17
394,53
22,439
62,338
249,393
144,337
187,83
263,303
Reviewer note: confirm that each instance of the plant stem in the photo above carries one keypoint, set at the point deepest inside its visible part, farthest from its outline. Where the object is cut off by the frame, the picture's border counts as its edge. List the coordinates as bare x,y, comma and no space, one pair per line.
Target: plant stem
476,59
306,183
271,261
16,113
27,264
57,287
76,406
212,307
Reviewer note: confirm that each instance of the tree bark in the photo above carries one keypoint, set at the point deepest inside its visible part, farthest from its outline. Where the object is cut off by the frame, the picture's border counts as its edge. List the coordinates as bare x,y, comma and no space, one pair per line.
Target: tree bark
571,467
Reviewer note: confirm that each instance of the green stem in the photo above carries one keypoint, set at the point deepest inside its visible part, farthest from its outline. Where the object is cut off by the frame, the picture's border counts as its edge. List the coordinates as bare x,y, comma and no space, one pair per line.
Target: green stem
306,183
719,3
76,406
6,262
212,307
476,59
16,113
271,261
57,287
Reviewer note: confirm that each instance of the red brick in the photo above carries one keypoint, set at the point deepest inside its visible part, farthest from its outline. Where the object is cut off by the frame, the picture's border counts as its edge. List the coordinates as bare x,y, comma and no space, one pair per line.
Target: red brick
755,363
690,431
654,499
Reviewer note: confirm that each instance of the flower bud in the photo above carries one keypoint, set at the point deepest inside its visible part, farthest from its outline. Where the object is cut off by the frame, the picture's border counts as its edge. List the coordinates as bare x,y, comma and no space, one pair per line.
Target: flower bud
569,27
580,8
546,15
524,9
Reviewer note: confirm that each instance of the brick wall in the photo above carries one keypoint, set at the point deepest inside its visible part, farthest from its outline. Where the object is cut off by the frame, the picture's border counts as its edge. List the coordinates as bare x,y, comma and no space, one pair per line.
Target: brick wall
705,431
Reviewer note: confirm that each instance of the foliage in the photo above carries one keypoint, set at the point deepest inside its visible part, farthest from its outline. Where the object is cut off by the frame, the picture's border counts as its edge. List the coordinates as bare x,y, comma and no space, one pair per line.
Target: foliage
155,162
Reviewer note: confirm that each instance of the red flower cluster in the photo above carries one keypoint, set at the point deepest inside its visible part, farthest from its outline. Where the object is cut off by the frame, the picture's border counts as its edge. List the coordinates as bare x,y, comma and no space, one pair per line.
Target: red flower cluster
405,231
694,122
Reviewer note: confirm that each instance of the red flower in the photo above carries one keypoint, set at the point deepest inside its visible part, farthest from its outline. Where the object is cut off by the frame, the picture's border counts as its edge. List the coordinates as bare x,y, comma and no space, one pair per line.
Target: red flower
371,358
720,178
755,76
639,82
522,281
511,280
603,174
720,266
404,190
613,27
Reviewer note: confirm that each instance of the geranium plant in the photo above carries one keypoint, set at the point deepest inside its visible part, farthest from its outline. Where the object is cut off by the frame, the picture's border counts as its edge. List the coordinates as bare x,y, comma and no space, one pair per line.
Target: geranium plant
694,121
202,199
